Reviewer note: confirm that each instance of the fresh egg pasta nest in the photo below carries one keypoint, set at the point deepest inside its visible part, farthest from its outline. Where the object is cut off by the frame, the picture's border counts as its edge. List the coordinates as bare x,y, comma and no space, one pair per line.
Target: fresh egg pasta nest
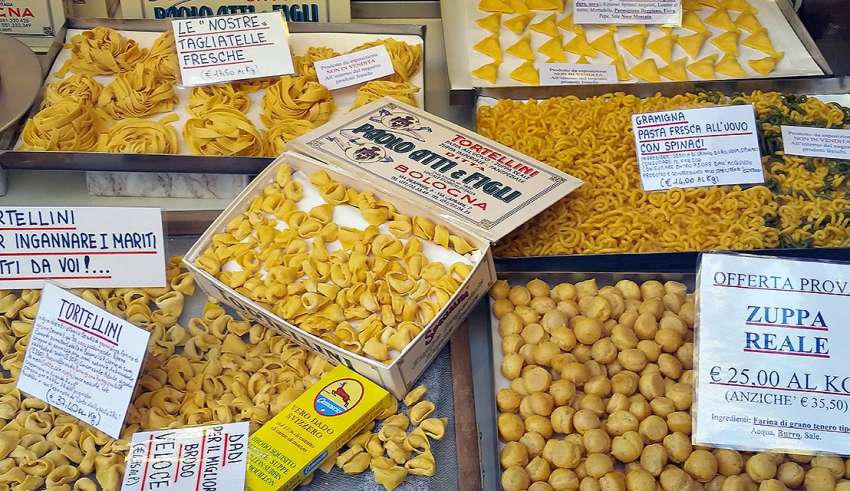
223,131
81,88
162,59
102,51
208,96
136,94
371,294
802,204
296,97
375,89
65,125
135,135
304,63
281,133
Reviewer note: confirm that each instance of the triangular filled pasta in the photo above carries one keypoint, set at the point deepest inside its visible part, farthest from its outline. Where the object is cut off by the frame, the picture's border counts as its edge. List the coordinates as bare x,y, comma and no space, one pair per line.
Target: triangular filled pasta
490,46
567,24
663,47
704,67
692,22
640,29
522,49
492,23
488,72
727,42
582,60
517,24
634,45
692,44
759,41
739,6
764,66
545,4
526,73
720,18
494,6
546,26
554,50
605,44
748,22
579,45
518,6
620,66
646,70
675,71
728,65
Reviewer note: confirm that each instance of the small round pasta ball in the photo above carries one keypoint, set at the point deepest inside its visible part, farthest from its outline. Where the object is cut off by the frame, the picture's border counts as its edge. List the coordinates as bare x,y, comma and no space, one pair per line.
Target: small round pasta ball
740,482
685,354
625,382
532,333
629,317
584,420
519,295
668,339
632,359
640,480
569,308
675,479
674,323
639,407
598,385
617,402
512,365
515,479
511,427
597,308
652,289
591,402
553,319
563,391
502,307
652,385
534,443
538,288
613,481
791,474
527,314
627,447
715,484
564,338
681,395
541,403
510,323
654,458
562,453
563,479
604,351
679,421
701,465
645,326
653,428
819,479
673,302
669,366
542,304
563,292
598,464
596,441
576,373
831,462
761,467
513,454
545,352
500,290
629,289
588,330
587,288
508,400
538,469
729,462
624,337
652,306
772,485
650,349
537,379
662,406
511,343
540,486
678,447
620,422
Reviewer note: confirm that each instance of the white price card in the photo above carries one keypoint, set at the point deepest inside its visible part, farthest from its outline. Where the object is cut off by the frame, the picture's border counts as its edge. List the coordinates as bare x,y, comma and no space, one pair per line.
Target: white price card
577,74
806,141
213,50
81,247
83,360
772,351
697,147
354,68
668,12
188,459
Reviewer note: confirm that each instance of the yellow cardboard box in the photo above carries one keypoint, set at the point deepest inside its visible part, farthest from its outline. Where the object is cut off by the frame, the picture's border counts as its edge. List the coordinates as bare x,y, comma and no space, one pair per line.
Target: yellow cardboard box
295,442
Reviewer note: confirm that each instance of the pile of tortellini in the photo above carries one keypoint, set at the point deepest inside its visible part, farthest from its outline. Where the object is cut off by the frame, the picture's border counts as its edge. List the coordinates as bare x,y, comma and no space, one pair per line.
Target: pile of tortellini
527,32
121,98
600,395
370,291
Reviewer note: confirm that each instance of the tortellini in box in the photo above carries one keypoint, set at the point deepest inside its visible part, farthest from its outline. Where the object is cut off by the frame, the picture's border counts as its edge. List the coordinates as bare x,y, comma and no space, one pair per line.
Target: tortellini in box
372,272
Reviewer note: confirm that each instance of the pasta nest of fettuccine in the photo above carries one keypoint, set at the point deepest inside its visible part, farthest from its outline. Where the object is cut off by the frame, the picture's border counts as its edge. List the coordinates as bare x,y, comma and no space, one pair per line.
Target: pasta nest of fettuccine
374,90
101,51
137,94
135,135
224,131
296,98
65,125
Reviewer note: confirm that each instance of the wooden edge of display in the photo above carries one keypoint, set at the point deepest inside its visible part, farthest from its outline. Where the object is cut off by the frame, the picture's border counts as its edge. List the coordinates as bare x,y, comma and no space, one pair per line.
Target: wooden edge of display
466,428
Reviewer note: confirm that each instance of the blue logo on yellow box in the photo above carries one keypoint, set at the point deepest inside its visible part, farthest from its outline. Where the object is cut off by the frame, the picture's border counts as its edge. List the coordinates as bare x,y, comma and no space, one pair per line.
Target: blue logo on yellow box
338,397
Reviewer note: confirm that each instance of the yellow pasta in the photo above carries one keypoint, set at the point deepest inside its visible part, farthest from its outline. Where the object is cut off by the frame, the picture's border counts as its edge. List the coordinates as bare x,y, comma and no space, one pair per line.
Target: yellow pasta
80,88
375,89
162,58
136,93
217,95
405,57
136,135
296,97
799,207
66,125
225,131
304,63
101,51
281,133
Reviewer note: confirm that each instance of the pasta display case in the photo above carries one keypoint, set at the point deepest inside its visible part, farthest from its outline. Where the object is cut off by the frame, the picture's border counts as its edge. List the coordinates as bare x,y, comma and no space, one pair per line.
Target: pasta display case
587,131
133,116
510,44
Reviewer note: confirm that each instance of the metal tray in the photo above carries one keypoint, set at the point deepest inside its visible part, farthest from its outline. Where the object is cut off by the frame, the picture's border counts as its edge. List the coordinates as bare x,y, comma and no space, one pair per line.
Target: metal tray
112,162
464,94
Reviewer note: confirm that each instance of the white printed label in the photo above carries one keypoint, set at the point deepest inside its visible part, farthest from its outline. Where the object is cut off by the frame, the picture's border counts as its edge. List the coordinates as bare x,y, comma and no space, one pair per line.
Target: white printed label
81,247
212,50
667,12
697,147
772,369
576,74
354,68
83,360
816,142
28,17
188,459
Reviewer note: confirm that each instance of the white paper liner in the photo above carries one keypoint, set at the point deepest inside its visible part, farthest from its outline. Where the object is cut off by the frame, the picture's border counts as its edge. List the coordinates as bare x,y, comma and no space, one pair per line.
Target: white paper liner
797,60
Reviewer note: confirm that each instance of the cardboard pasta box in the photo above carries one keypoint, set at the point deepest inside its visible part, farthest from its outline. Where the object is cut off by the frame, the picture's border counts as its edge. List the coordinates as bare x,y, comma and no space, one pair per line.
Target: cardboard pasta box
292,10
34,22
425,166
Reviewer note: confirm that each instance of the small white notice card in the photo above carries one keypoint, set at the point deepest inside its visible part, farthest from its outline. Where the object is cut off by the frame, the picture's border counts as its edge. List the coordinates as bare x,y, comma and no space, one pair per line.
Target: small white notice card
188,459
816,142
83,360
354,68
697,147
81,247
213,50
772,345
628,12
576,74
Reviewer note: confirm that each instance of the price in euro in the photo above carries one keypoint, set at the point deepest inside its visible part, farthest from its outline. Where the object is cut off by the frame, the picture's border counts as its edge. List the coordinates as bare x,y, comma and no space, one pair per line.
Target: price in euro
827,404
678,182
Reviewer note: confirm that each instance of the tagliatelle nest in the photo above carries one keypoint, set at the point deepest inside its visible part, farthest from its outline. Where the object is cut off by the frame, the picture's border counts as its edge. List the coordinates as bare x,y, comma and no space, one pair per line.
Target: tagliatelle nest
222,130
137,94
65,125
80,88
135,135
296,98
101,51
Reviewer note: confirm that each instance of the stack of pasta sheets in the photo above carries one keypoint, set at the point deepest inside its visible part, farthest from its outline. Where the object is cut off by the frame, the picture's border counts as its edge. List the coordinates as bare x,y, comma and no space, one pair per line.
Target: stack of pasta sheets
508,41
119,92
